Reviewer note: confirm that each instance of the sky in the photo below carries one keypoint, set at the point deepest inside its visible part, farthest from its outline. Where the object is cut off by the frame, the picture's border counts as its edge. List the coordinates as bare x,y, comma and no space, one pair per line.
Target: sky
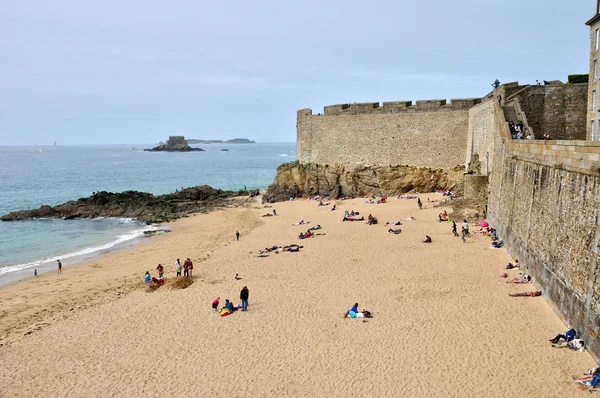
133,71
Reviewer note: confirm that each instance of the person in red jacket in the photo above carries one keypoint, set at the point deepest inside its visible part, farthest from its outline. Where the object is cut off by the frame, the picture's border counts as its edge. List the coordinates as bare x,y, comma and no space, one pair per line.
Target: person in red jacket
190,267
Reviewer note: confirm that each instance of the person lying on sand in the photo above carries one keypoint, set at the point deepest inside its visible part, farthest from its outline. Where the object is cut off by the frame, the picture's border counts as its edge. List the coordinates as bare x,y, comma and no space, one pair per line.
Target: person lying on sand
575,345
353,219
411,218
357,314
324,204
315,228
521,279
394,231
427,239
511,265
308,234
301,222
267,215
526,294
568,335
393,223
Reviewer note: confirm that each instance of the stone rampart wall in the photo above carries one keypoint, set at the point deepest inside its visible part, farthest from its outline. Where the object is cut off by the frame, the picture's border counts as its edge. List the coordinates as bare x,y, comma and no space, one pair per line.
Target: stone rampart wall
480,140
430,135
544,201
558,109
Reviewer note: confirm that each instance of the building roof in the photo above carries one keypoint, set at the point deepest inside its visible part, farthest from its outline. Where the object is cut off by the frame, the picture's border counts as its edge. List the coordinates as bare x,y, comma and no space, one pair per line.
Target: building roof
594,19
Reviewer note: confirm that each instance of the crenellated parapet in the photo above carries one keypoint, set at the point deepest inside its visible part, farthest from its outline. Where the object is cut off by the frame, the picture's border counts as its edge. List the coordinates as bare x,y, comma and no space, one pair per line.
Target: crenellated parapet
359,108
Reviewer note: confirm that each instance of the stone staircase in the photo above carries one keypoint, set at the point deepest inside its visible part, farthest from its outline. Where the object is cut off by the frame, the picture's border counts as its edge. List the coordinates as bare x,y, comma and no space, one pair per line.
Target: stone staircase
510,113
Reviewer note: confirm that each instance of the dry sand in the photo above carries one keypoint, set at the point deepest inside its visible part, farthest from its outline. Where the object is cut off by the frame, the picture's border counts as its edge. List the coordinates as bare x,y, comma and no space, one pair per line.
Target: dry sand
443,323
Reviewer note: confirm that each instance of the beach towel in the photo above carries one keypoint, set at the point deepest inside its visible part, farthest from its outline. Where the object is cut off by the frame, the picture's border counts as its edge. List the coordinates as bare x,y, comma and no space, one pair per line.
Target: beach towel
225,312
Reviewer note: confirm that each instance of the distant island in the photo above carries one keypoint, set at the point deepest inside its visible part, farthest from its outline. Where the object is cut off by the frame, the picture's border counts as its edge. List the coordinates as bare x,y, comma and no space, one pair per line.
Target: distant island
233,141
174,144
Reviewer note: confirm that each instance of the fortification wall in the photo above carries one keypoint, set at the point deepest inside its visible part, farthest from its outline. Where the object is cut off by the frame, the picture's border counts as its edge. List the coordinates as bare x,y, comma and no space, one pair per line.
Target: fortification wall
544,201
558,109
427,134
480,139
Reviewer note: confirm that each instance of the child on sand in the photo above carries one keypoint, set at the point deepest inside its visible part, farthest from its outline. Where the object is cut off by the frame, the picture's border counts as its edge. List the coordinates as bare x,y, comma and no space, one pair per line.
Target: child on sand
147,279
215,303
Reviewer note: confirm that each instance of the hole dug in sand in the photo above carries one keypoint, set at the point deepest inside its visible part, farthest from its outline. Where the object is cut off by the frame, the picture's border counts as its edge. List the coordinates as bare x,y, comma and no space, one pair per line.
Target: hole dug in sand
178,283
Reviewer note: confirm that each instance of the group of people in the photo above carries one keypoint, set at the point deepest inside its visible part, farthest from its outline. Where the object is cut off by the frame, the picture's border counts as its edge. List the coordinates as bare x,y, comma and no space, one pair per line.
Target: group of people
517,130
187,266
159,280
279,249
228,308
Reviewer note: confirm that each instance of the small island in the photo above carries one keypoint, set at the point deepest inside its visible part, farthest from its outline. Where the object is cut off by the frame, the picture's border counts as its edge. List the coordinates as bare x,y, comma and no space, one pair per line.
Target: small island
233,141
175,143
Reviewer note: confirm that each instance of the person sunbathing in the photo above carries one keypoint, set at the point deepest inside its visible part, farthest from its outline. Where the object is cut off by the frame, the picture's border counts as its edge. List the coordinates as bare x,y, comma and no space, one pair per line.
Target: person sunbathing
268,215
371,220
497,244
358,314
393,223
353,219
427,239
302,222
520,279
315,228
394,231
442,217
568,335
575,345
526,294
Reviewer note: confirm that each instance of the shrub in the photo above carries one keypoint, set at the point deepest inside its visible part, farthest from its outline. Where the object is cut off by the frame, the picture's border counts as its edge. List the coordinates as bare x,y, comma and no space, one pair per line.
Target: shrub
574,79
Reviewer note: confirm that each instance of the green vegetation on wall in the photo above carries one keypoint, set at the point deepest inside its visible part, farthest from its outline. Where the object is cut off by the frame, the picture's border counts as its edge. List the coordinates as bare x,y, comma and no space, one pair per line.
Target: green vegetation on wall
574,79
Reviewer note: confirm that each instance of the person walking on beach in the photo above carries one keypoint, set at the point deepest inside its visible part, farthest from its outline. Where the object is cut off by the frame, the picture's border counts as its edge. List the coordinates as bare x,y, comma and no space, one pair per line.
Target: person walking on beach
178,268
160,270
244,297
465,228
454,228
35,273
59,267
190,267
420,203
237,235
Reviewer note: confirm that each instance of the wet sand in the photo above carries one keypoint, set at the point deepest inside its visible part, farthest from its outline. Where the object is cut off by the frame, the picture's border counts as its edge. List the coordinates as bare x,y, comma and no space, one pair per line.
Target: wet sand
443,322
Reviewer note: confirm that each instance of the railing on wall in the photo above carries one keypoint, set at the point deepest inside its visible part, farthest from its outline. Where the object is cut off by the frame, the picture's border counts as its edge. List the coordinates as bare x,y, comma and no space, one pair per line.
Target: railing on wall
510,97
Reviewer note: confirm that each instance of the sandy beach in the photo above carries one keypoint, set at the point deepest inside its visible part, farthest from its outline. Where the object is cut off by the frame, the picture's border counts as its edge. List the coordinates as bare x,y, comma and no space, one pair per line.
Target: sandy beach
443,322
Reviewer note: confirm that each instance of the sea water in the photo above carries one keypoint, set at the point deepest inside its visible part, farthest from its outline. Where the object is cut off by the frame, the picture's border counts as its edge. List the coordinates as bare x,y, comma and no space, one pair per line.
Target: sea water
33,176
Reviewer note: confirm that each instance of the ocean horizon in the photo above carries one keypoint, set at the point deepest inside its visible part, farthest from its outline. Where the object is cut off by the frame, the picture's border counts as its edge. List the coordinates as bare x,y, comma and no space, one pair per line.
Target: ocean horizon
57,174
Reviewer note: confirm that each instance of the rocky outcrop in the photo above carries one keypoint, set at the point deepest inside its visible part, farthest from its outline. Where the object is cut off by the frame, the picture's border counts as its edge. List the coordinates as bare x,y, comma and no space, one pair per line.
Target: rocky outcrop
174,144
141,205
297,180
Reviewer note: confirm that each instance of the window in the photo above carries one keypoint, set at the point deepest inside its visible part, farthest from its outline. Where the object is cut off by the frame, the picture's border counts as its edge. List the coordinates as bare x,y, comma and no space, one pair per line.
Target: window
595,75
593,100
597,39
593,131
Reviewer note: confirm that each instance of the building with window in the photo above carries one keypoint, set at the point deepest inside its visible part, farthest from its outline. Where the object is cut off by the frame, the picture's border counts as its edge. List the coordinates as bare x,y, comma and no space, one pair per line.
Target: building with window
593,87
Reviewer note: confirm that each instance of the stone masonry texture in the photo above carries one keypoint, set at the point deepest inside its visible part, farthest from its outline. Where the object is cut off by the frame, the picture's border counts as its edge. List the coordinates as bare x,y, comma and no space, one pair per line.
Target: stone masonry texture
435,138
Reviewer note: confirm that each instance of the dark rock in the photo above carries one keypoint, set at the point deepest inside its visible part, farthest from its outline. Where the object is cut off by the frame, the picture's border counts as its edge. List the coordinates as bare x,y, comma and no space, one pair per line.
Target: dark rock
141,205
174,144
